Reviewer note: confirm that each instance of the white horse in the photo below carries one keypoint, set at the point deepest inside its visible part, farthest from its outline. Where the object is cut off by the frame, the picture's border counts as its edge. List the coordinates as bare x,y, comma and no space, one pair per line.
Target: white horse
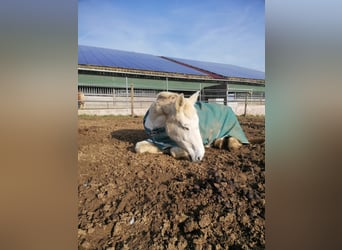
182,126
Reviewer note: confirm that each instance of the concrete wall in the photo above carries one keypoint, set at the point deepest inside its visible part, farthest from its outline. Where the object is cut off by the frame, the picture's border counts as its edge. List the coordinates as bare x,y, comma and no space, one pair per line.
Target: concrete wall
252,108
109,105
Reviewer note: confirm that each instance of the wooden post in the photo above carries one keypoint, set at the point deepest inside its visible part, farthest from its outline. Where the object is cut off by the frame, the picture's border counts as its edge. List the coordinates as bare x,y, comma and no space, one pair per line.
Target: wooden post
245,104
113,97
225,102
200,93
246,100
132,100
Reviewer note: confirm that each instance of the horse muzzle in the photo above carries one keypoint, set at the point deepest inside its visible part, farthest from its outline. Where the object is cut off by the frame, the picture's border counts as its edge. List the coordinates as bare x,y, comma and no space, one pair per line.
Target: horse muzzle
197,156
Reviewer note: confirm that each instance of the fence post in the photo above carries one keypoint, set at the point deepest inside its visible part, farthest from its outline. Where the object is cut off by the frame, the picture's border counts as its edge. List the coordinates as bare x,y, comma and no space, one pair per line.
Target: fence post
200,93
246,100
225,101
113,97
245,113
132,100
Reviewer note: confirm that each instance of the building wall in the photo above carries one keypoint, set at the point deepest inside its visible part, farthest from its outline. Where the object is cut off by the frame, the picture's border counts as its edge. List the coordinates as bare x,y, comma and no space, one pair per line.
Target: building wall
158,84
111,95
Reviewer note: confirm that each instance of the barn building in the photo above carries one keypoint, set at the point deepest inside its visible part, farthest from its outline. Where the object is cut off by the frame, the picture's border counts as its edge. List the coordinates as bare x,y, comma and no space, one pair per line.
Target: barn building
121,82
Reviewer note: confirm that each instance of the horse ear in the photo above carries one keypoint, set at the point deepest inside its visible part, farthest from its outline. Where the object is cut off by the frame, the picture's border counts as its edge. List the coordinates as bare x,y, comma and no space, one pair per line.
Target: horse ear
179,101
194,97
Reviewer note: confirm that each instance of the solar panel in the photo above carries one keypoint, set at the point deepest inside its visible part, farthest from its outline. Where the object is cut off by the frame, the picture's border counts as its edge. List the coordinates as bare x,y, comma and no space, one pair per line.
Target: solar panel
224,69
117,58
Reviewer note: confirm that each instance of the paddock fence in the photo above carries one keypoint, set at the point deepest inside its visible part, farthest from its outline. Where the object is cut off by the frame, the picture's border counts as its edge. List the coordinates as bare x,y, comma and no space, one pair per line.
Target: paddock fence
135,102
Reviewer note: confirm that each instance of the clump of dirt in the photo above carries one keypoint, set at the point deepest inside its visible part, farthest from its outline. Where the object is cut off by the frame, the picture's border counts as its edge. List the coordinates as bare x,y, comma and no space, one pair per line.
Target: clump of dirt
144,201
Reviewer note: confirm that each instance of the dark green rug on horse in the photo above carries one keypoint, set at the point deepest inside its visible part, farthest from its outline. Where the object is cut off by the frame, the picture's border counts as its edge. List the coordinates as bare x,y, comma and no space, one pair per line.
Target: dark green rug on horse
215,121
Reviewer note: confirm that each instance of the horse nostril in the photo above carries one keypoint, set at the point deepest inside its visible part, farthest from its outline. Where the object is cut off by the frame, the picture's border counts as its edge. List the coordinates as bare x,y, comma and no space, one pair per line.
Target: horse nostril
196,158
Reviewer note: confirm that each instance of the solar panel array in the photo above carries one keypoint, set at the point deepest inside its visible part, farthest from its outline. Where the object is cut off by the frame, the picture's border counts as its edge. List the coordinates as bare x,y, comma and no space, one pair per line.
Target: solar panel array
117,58
224,69
132,60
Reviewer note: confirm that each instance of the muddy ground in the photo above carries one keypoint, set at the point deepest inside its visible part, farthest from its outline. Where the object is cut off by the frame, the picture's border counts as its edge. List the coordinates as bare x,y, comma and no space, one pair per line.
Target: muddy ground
131,201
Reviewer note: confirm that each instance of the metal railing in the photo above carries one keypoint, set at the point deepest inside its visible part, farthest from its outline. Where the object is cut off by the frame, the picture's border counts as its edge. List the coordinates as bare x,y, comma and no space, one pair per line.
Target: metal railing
139,100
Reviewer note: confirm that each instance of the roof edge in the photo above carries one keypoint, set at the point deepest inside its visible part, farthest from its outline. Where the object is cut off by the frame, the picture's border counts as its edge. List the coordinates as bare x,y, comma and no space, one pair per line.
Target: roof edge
166,74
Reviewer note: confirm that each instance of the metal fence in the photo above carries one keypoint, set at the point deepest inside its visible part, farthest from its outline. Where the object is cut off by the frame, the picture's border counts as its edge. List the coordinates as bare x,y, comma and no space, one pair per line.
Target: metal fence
136,101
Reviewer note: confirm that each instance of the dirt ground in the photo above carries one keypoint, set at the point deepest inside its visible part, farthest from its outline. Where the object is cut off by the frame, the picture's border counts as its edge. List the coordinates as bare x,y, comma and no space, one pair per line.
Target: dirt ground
133,201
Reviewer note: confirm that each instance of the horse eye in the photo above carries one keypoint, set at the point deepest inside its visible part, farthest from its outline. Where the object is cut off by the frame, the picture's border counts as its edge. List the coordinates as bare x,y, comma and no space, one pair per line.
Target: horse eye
185,127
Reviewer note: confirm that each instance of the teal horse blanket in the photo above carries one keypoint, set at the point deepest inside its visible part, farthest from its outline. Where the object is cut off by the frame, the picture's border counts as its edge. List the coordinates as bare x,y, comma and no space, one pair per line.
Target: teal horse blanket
215,121
218,121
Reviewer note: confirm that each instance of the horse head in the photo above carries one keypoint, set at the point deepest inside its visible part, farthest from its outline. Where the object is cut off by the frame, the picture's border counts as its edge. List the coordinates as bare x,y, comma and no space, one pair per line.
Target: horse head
182,124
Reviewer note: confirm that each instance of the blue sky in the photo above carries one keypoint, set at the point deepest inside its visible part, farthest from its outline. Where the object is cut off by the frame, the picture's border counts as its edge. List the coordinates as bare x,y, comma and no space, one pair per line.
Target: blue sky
222,31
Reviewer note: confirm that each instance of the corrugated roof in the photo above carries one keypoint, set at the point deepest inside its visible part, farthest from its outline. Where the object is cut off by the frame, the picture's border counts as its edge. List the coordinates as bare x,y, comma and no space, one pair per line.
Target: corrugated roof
88,55
226,70
123,59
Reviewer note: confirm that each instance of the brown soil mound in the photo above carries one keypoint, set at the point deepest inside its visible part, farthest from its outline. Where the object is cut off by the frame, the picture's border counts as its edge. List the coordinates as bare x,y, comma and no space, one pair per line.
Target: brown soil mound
133,201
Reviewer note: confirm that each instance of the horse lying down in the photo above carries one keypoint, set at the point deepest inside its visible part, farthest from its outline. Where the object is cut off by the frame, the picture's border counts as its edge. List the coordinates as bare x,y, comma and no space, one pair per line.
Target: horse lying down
182,127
